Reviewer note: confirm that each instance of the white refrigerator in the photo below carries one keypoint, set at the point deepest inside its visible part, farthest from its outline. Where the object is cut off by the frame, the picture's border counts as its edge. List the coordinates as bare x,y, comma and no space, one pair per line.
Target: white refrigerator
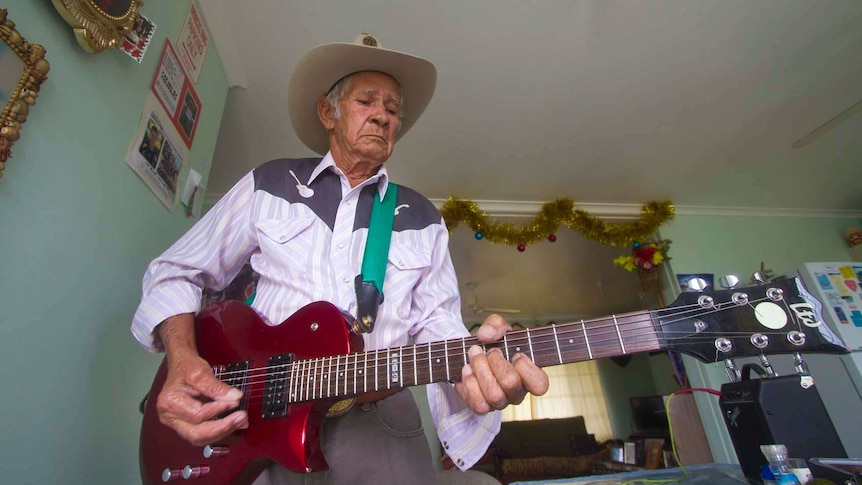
838,287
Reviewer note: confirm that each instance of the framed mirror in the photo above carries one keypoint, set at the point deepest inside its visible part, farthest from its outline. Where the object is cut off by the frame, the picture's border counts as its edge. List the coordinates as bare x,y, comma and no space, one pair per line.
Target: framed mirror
23,68
98,24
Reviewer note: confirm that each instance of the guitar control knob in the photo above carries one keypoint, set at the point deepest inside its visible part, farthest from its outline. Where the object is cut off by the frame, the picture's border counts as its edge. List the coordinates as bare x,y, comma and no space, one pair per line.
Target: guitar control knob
169,475
190,472
215,451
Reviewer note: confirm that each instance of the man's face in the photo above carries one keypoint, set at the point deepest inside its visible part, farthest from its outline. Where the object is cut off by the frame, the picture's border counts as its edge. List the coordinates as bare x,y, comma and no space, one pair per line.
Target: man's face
369,119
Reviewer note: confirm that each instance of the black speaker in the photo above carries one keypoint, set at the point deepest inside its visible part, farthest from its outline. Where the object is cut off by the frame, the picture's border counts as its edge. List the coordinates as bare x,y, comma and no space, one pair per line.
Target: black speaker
778,410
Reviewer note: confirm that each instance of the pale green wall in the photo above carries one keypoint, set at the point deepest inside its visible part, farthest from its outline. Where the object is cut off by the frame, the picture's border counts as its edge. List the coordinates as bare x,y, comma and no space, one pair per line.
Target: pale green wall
77,228
736,245
621,383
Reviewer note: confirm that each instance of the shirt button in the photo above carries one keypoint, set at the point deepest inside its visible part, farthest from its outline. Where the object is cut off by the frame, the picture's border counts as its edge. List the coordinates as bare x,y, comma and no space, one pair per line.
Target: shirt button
446,445
460,462
340,245
346,280
348,203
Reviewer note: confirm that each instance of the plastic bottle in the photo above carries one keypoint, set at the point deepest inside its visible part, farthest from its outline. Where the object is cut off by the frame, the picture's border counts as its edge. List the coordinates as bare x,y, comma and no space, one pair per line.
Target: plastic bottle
776,455
799,467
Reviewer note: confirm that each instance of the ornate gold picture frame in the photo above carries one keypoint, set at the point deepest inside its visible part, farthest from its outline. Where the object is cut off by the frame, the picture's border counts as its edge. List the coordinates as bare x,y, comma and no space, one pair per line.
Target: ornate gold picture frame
23,68
99,24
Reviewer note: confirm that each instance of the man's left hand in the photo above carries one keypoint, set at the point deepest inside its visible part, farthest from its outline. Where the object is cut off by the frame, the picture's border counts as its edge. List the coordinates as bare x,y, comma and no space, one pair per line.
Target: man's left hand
491,382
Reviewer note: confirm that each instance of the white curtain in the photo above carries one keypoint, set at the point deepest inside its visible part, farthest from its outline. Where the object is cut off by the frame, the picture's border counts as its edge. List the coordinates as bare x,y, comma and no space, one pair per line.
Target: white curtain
575,390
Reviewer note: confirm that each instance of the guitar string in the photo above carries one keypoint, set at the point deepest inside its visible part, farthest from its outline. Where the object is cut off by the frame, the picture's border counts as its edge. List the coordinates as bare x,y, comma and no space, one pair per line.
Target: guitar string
594,333
319,367
518,338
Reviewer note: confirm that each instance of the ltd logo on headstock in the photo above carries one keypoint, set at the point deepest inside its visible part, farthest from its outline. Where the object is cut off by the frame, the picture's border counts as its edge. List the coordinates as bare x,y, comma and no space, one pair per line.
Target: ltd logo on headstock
806,314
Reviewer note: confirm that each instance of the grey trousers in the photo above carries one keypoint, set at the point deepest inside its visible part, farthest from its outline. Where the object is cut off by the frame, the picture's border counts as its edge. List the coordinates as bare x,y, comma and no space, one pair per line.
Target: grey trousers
378,444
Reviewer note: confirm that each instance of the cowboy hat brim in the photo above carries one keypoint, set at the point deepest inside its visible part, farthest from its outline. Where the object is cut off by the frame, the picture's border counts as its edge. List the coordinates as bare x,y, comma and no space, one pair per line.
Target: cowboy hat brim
322,66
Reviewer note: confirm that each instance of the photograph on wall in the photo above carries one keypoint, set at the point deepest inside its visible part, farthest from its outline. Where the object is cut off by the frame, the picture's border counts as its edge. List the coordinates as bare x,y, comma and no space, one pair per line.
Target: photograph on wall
176,94
135,43
193,42
157,155
188,114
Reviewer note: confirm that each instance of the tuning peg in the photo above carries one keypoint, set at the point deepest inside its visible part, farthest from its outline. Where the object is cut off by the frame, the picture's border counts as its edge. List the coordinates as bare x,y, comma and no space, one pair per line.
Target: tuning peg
696,284
767,365
728,281
733,372
758,277
800,365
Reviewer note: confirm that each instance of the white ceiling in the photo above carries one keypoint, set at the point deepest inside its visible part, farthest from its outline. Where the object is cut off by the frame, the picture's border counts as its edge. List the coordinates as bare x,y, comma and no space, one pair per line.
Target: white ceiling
605,102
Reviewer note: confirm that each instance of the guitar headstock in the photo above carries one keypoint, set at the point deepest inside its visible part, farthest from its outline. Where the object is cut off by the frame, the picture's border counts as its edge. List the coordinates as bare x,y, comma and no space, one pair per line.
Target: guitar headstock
775,318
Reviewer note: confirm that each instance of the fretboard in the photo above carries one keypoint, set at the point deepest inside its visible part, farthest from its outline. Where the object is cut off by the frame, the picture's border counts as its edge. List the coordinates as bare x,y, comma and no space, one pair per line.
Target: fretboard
378,370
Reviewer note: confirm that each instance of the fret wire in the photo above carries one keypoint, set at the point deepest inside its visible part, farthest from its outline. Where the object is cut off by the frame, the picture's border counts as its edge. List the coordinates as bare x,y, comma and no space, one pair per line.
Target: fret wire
530,344
464,350
311,391
616,325
586,339
329,381
318,374
415,379
388,368
401,365
365,373
355,365
290,389
308,389
557,342
430,364
446,354
328,378
303,396
376,377
506,345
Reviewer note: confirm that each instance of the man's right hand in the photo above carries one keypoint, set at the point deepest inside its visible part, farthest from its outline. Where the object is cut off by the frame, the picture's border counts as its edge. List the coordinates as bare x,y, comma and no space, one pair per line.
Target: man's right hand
192,397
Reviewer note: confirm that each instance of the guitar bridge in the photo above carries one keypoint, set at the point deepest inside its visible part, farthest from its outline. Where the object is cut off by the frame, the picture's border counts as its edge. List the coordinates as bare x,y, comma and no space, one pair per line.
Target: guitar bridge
275,390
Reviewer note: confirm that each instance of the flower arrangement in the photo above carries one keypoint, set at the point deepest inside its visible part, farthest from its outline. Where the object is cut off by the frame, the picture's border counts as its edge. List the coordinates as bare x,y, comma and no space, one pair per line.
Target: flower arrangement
646,257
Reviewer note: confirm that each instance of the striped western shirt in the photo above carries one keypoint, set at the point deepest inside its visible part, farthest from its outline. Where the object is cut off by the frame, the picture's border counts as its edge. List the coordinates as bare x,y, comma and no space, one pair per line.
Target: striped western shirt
303,228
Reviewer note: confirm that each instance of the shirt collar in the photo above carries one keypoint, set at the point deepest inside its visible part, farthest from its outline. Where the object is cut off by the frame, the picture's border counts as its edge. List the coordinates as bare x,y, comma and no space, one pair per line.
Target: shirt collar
381,177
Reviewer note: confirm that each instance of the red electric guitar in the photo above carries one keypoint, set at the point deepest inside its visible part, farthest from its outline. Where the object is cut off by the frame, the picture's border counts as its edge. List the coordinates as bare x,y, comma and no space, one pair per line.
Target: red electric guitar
292,373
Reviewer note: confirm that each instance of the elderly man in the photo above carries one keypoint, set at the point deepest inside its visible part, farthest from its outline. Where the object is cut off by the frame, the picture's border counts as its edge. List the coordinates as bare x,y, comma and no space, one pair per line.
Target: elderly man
303,223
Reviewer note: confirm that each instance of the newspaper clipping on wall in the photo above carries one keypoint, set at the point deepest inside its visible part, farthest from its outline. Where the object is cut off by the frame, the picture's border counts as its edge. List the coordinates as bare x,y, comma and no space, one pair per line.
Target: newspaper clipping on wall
157,154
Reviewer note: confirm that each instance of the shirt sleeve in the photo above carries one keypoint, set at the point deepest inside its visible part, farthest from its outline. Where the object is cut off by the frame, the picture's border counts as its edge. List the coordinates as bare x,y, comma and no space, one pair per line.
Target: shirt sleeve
464,434
209,255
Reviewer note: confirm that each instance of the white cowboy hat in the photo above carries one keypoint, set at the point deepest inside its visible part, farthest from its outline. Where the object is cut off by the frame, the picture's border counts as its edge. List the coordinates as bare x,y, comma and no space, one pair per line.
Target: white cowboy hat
321,67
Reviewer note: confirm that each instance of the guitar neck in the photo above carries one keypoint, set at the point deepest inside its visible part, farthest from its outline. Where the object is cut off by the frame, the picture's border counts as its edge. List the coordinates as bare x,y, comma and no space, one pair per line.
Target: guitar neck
379,370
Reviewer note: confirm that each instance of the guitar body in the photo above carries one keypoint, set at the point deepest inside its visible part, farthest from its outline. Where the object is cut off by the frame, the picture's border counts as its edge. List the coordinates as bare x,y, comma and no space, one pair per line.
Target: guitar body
228,333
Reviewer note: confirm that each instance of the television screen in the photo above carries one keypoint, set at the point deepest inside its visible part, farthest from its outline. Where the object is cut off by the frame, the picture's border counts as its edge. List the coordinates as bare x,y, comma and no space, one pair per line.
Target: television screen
649,414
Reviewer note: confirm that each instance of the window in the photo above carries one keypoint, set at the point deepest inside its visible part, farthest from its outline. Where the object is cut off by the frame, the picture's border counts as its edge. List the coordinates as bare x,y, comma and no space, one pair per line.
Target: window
575,390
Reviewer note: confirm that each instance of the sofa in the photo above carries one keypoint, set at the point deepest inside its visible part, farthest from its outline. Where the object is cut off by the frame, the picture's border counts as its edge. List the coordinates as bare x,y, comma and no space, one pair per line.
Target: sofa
542,449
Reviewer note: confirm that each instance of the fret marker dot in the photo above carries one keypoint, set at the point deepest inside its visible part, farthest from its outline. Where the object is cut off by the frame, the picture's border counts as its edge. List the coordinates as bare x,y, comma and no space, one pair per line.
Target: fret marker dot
517,349
438,361
571,340
360,371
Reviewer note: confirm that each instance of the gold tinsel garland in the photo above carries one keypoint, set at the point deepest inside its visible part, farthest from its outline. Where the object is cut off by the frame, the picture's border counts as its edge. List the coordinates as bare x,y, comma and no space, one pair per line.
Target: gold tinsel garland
554,214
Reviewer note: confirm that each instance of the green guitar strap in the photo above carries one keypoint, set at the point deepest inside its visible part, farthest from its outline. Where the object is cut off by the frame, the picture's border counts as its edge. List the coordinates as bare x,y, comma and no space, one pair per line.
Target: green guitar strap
369,283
